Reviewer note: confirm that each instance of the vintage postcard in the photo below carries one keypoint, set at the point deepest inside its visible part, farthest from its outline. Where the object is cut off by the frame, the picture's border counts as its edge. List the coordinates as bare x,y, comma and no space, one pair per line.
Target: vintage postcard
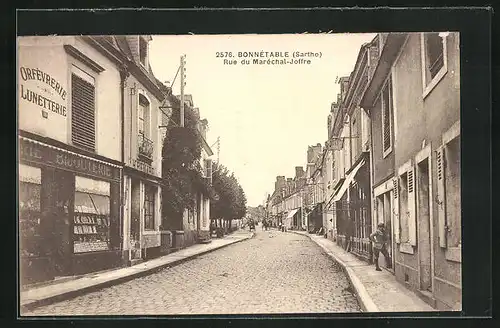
239,174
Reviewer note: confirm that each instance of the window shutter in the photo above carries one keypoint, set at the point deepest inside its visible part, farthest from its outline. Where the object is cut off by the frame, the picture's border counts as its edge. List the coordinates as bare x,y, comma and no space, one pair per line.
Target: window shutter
82,113
441,195
412,226
386,116
395,209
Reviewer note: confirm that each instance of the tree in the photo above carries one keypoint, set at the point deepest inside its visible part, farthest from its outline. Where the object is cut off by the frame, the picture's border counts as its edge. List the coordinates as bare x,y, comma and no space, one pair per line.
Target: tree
231,203
181,170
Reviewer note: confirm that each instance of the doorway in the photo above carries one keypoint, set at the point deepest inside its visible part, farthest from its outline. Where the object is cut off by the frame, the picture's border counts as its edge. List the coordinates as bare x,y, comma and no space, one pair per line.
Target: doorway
384,212
135,220
424,226
62,189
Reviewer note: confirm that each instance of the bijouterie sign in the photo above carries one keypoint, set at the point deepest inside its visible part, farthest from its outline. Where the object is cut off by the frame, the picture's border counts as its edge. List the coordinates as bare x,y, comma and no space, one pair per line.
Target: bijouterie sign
37,153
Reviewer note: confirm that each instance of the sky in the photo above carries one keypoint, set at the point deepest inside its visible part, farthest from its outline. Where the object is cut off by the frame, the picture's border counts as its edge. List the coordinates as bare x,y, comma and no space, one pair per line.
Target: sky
265,115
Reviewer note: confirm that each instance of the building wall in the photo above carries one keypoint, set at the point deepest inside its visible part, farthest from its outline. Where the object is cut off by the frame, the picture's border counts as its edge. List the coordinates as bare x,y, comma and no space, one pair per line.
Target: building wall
47,54
383,168
328,184
131,103
426,119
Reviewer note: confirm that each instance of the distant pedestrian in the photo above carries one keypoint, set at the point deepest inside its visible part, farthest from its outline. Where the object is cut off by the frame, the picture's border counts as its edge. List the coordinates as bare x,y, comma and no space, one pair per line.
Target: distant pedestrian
379,239
349,233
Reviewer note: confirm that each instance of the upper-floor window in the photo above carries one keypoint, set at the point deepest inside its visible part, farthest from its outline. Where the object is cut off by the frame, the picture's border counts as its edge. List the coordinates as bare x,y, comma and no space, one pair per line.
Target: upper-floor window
143,126
143,51
142,115
387,112
434,59
83,109
434,53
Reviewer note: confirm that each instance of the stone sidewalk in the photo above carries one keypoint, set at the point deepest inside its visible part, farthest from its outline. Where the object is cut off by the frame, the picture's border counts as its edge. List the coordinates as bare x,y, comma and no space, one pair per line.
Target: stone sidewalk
377,291
58,291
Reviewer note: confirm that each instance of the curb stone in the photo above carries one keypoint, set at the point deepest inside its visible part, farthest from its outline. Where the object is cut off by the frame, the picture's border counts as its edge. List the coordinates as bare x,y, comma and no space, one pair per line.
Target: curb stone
364,299
31,305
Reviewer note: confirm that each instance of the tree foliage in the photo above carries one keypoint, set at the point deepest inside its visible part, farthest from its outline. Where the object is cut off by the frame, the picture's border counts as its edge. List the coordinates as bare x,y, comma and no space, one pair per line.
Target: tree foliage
181,171
231,201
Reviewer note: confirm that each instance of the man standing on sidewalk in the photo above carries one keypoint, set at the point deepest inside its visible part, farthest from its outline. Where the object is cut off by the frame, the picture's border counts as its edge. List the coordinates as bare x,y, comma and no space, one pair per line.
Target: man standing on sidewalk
379,239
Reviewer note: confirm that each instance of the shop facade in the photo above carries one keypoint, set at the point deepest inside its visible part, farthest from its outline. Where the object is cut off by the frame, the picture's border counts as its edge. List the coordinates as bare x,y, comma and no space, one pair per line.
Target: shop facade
69,212
142,151
69,158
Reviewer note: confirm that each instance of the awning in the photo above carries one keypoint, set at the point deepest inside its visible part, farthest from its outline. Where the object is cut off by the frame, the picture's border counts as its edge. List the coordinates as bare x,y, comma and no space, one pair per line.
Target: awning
348,181
292,213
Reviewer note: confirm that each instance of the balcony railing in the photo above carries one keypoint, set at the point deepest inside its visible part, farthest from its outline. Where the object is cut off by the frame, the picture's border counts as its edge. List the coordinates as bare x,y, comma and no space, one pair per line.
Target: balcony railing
145,147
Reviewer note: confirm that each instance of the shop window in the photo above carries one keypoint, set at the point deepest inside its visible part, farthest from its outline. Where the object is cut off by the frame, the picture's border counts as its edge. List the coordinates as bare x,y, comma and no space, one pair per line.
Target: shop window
387,112
83,109
29,211
91,222
149,208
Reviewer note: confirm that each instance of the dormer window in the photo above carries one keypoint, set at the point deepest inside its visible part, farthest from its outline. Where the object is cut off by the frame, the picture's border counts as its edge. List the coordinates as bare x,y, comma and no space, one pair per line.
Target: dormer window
143,51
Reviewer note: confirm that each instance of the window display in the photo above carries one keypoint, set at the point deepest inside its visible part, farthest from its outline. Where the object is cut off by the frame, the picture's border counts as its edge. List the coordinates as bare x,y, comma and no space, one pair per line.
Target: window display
29,211
92,218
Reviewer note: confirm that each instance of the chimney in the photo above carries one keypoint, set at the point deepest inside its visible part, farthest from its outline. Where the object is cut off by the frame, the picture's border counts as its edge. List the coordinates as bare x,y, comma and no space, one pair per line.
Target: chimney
203,127
344,85
280,183
299,172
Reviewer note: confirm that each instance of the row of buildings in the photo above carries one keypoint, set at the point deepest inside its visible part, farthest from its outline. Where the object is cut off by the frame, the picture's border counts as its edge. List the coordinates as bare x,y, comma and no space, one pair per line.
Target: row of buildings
92,120
392,156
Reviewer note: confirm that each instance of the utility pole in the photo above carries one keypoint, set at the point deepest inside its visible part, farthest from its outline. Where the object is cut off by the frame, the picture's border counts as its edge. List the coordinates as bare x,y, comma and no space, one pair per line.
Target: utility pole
218,149
183,83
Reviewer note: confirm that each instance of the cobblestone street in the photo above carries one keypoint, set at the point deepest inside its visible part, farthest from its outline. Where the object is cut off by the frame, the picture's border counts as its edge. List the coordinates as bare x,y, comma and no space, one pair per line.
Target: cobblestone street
273,272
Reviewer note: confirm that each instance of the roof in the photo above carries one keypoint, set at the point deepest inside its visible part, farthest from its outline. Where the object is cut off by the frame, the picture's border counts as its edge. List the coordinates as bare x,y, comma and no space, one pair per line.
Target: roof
147,74
389,53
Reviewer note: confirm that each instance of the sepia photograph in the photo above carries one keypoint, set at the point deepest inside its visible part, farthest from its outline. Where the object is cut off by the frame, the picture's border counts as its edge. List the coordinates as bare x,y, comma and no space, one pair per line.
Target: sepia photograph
219,174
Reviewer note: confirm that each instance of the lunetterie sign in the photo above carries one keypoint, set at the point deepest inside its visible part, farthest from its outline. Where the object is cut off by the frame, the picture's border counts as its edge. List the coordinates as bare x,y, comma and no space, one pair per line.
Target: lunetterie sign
47,86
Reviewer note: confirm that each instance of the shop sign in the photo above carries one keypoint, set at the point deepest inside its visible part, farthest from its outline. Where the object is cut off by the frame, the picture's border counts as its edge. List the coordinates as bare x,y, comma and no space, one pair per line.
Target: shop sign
49,94
141,166
37,153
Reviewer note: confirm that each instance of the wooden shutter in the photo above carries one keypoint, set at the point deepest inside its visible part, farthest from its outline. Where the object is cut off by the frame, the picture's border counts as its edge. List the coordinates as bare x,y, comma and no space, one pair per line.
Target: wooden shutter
82,113
412,226
441,195
395,210
386,116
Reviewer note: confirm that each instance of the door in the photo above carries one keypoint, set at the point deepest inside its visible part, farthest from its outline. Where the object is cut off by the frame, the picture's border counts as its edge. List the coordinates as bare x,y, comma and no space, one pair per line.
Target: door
135,220
63,211
424,226
387,215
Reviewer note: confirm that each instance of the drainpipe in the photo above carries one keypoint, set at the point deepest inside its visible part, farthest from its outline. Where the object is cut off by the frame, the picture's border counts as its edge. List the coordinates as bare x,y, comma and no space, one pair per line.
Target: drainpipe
123,76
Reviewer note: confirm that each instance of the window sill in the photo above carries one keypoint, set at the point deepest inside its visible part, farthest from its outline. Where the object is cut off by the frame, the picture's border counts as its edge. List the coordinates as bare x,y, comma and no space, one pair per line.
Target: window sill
453,254
439,76
387,152
150,232
406,248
